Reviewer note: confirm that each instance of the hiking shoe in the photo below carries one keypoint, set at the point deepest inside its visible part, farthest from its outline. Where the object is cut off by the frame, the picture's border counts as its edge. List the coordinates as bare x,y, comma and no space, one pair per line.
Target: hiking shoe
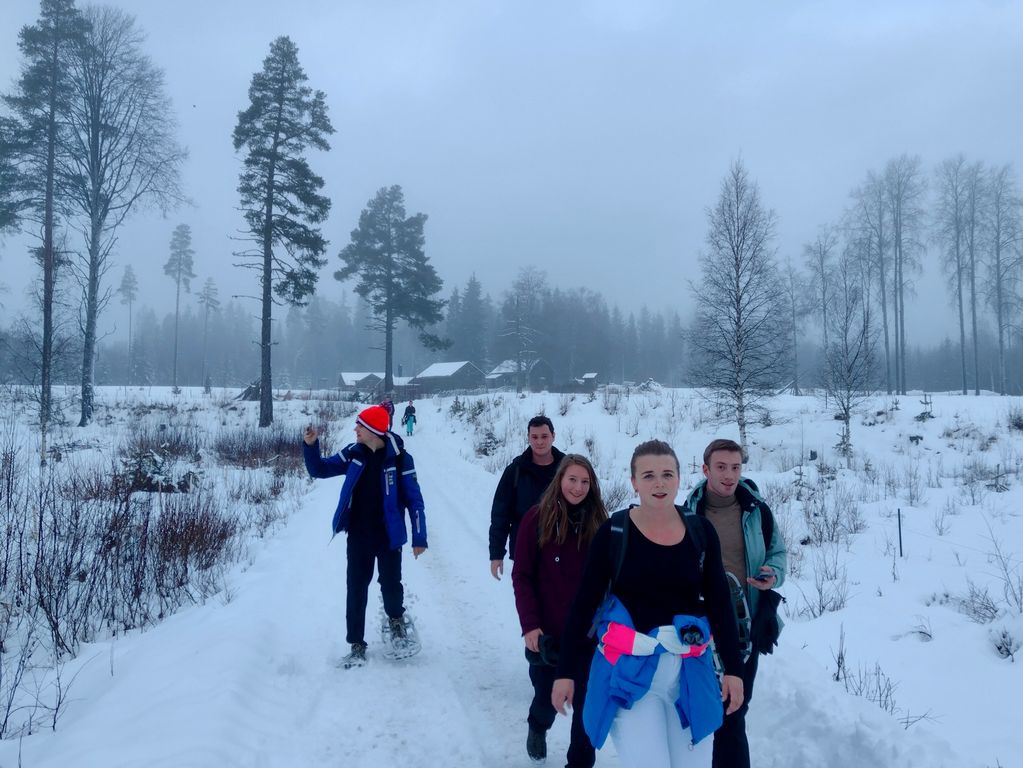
397,628
357,658
536,745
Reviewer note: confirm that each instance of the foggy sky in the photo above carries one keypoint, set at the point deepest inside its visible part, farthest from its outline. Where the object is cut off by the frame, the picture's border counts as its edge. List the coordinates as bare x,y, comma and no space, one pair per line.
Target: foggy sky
586,138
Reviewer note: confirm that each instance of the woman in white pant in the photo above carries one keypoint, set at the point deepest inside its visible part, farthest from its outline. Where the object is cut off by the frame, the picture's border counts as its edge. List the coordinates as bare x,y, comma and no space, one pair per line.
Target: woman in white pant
658,604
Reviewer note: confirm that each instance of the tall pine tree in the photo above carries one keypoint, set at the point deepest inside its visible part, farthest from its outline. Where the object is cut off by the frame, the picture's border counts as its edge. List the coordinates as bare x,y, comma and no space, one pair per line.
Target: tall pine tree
280,194
36,143
179,269
394,275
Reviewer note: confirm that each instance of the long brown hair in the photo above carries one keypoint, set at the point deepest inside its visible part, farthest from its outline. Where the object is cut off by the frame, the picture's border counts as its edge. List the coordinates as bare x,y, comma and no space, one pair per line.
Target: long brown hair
552,520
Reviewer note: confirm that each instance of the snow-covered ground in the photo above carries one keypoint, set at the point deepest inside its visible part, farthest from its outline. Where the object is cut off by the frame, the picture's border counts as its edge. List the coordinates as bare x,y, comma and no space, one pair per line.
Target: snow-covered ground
250,678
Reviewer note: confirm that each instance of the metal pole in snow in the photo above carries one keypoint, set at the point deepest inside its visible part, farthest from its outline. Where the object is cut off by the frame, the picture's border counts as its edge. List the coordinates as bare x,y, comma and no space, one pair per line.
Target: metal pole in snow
900,531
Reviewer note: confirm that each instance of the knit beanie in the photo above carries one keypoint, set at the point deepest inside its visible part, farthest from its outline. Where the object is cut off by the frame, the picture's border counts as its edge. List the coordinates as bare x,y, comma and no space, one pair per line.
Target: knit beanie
375,419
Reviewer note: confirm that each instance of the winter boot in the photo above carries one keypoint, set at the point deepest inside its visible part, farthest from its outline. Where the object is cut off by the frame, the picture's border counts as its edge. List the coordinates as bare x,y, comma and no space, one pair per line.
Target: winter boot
536,745
357,658
397,627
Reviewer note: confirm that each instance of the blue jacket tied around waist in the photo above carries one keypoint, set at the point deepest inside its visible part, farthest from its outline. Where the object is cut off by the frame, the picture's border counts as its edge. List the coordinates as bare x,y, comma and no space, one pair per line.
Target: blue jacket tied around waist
350,462
624,682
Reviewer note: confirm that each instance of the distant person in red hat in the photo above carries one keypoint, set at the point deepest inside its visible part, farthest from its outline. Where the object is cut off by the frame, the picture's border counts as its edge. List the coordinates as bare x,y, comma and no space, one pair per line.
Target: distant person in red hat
380,485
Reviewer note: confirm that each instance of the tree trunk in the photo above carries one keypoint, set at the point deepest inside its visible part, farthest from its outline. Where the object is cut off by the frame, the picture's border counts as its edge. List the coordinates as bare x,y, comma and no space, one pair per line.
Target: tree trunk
795,347
49,264
177,314
973,320
962,324
999,315
266,400
205,327
740,420
131,366
91,313
884,323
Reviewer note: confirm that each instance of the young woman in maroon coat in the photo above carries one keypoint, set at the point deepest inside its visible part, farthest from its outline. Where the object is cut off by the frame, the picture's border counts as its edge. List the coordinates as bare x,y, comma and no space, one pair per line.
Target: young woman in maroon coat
550,553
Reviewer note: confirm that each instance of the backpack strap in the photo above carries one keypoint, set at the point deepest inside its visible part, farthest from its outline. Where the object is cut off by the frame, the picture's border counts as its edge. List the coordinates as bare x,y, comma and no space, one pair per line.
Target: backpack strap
767,526
399,468
766,517
694,528
619,540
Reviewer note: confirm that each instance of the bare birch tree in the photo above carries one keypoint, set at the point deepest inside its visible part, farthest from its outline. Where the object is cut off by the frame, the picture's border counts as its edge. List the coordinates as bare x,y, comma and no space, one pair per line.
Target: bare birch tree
797,306
123,156
950,234
869,224
1004,236
904,193
849,359
819,255
739,333
976,194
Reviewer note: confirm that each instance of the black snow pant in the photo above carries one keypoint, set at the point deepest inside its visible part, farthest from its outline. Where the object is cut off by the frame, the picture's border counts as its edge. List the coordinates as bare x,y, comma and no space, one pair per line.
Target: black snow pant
365,549
542,713
731,747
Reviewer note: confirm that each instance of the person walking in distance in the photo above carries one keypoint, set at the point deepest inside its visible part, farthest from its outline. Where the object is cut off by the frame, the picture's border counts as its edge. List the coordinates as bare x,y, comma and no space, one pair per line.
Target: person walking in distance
520,487
753,553
380,485
388,405
409,419
550,552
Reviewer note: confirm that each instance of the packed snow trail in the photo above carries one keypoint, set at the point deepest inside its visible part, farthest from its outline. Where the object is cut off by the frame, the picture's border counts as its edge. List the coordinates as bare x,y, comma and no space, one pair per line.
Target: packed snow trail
251,679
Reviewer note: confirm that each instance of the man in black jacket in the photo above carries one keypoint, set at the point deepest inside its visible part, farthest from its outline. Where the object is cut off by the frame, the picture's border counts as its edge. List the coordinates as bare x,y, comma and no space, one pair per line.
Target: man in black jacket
520,487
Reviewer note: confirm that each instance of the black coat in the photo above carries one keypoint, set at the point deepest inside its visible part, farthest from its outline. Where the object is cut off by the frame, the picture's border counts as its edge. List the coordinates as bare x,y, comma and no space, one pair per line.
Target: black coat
520,487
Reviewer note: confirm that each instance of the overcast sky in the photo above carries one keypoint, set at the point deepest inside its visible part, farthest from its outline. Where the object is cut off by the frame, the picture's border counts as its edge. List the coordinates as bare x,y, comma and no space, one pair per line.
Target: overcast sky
587,138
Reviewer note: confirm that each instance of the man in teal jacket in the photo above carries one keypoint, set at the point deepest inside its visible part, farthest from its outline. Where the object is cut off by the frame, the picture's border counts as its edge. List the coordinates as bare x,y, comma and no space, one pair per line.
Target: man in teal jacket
752,550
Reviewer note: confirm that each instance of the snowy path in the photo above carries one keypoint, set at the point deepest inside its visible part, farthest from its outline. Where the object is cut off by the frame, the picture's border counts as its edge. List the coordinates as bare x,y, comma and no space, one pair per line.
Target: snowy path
253,681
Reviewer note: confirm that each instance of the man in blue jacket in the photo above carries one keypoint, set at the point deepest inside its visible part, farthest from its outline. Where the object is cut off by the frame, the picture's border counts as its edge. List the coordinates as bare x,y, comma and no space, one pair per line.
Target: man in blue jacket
380,484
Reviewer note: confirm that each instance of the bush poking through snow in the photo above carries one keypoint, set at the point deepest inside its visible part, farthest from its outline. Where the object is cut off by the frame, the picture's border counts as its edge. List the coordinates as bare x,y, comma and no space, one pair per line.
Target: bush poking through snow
276,445
1005,643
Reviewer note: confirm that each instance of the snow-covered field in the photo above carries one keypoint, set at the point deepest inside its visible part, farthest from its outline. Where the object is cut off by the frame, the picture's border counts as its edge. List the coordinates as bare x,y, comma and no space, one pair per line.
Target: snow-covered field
249,678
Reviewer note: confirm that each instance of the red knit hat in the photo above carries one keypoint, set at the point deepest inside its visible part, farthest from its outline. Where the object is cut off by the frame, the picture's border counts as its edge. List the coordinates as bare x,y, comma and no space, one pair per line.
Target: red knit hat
375,419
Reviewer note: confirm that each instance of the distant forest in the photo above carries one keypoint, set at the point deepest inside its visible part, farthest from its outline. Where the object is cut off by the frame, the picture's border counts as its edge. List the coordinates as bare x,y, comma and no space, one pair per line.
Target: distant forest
576,331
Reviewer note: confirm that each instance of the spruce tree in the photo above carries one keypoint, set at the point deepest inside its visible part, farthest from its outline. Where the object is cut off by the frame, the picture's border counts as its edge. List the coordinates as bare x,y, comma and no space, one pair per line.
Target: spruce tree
210,303
395,277
280,194
129,291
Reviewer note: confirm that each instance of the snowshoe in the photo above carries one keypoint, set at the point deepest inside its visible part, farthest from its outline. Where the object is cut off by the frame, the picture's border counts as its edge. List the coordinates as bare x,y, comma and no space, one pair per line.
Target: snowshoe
742,614
357,658
400,638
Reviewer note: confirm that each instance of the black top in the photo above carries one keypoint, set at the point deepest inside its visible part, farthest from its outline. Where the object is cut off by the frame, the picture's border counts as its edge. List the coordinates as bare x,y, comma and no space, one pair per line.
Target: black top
368,496
521,486
657,582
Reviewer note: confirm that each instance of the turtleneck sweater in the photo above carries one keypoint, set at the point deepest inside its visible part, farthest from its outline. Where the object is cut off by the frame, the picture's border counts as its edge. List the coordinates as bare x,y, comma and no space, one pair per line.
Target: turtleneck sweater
725,514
